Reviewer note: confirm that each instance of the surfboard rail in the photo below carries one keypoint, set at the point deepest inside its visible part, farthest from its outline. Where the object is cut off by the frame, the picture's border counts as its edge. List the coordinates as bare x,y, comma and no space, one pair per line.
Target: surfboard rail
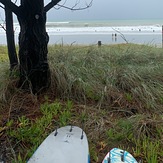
66,144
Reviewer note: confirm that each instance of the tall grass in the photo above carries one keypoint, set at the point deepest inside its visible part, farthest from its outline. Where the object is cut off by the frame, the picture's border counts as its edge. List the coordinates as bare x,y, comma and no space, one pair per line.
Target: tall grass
106,74
4,73
117,92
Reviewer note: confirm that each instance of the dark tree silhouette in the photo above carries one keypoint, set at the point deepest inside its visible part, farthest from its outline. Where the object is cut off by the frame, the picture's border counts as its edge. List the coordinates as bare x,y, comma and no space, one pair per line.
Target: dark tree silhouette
33,41
10,37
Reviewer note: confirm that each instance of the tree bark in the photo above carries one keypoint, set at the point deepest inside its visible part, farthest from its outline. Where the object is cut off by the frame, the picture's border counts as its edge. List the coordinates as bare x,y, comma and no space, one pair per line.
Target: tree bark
33,40
10,39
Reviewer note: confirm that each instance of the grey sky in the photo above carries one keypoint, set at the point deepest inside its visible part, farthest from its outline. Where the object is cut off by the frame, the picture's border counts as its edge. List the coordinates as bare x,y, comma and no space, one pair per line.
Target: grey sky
108,10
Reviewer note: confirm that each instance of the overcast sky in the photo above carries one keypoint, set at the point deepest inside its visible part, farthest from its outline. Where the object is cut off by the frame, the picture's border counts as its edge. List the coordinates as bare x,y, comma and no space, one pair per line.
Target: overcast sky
108,10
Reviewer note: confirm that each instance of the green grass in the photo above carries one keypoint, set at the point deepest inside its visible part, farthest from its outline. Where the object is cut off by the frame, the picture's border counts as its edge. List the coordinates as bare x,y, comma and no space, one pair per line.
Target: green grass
115,93
31,133
91,72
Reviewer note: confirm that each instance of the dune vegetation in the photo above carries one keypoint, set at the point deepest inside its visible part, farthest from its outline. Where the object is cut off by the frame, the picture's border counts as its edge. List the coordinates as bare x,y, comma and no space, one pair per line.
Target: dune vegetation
115,93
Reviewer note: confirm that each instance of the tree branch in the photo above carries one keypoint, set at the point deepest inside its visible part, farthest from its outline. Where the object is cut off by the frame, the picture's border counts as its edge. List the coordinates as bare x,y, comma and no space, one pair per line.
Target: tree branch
2,6
3,27
51,5
14,8
122,35
74,8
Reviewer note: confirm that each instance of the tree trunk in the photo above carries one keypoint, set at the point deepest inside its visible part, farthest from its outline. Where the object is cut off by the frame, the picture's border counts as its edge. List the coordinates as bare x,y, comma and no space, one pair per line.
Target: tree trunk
10,39
33,40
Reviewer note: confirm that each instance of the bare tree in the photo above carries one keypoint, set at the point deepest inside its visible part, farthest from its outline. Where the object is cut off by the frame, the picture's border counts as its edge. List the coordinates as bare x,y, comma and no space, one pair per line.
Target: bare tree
33,40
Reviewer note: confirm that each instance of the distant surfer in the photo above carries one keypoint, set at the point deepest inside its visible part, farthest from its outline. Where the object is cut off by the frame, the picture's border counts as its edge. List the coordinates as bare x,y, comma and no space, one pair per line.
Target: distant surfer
112,37
115,37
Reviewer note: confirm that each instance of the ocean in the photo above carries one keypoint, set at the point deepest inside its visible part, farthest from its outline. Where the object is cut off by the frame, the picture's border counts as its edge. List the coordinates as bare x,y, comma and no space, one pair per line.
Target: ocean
108,32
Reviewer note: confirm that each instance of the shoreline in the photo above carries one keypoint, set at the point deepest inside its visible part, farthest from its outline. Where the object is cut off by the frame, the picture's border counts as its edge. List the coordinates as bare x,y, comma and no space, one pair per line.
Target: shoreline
82,33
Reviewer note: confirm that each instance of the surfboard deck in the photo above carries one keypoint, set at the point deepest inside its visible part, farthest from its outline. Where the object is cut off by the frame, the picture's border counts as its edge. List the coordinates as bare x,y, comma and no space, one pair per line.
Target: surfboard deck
67,144
117,155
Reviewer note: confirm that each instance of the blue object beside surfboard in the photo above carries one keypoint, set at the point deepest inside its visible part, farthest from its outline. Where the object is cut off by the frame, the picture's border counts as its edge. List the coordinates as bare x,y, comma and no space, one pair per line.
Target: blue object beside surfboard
117,155
67,144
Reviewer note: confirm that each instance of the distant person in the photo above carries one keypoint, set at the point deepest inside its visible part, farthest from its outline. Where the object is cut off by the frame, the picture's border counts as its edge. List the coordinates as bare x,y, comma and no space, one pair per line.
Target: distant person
115,37
112,37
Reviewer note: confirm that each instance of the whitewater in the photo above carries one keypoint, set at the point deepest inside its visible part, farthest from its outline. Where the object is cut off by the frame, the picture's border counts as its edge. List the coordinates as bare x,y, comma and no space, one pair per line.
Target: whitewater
92,32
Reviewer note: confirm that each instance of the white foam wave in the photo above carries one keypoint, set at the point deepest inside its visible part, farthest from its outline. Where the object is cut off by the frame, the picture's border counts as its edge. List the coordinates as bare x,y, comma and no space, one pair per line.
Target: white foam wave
127,29
97,30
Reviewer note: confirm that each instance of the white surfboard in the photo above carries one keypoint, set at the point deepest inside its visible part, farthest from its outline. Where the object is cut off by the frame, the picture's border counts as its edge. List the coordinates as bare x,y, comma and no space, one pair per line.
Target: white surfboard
65,145
117,155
